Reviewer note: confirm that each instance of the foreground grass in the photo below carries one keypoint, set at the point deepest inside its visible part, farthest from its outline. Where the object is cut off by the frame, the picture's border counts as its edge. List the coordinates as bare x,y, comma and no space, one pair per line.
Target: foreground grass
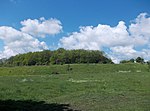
86,87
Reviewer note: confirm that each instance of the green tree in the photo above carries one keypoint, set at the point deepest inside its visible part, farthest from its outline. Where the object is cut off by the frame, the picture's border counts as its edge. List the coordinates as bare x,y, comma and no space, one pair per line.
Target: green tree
148,63
139,60
131,60
60,56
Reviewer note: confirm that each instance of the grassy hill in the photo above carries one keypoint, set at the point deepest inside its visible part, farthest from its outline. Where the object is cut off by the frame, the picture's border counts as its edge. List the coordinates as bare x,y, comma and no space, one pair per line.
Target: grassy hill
85,87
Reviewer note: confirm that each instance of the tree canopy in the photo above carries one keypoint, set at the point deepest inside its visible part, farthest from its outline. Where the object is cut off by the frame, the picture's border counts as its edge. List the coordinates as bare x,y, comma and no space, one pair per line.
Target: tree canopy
60,56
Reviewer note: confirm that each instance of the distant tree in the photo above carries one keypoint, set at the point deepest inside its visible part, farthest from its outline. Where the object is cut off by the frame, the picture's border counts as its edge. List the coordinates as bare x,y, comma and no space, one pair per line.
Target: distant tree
148,63
139,60
132,60
61,50
127,61
124,61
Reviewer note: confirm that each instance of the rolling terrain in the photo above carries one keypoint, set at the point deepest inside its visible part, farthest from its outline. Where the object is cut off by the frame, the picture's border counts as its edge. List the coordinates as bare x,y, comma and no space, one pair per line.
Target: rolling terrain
76,87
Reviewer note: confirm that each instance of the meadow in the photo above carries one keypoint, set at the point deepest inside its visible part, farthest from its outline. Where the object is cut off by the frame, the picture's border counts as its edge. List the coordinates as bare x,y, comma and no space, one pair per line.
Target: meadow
84,87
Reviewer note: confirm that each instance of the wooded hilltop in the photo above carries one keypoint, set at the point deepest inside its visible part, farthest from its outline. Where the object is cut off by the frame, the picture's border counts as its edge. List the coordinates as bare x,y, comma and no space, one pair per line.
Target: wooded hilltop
60,56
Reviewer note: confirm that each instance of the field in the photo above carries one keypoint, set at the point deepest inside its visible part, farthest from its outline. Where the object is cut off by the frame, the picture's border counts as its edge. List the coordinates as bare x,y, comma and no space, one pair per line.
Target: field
85,87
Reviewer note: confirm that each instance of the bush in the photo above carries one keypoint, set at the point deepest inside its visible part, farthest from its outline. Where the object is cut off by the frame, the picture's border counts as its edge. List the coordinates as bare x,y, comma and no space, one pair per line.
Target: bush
69,68
55,72
148,63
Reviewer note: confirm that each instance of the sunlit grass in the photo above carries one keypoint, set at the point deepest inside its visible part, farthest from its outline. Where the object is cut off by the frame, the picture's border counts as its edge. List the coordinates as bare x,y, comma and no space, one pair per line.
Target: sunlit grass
86,87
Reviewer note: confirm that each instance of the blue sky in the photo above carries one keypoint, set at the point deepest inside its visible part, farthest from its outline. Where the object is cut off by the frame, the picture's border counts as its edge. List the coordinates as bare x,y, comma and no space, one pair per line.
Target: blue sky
72,14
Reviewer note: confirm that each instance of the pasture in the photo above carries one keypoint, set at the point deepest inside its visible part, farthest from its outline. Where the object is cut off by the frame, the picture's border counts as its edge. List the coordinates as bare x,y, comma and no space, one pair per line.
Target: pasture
85,87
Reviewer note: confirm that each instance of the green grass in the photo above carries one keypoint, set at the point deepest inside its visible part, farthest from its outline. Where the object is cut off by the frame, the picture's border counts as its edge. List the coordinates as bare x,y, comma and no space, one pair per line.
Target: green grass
124,87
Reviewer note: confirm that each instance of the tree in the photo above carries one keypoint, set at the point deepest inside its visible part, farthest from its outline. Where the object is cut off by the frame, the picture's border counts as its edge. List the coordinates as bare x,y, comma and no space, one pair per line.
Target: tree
124,61
148,63
131,60
60,56
139,60
127,61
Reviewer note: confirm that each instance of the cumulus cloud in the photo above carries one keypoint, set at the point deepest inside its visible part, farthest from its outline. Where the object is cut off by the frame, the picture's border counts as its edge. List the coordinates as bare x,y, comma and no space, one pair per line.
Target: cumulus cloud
139,29
98,37
18,42
41,27
25,40
122,42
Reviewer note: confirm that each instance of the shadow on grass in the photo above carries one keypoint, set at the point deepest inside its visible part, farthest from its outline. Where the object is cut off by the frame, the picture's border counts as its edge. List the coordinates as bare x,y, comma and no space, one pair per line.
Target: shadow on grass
29,105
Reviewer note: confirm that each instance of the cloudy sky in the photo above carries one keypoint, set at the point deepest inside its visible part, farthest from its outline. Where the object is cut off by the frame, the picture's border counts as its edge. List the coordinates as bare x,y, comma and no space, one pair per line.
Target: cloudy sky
120,28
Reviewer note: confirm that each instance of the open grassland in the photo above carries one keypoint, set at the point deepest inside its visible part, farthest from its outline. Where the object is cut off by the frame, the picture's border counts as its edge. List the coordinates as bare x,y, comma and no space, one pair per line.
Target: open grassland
123,87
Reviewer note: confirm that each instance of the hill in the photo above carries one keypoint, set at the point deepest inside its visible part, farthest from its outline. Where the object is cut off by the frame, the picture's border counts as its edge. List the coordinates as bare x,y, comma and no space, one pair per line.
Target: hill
86,87
60,56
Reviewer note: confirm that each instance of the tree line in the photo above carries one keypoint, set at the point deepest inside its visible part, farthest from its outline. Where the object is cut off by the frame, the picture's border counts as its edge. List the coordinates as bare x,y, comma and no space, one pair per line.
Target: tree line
59,56
137,60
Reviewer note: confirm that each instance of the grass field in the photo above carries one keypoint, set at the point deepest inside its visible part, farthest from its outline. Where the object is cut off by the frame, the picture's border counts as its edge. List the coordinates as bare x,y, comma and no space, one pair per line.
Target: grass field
93,87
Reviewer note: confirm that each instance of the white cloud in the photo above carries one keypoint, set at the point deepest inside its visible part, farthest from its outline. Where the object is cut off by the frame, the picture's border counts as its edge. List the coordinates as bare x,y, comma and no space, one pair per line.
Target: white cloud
41,27
122,52
25,40
140,29
98,37
18,42
140,25
123,42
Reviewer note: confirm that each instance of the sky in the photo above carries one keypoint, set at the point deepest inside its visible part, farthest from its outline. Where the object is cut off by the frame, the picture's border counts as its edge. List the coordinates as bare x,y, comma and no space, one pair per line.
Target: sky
120,28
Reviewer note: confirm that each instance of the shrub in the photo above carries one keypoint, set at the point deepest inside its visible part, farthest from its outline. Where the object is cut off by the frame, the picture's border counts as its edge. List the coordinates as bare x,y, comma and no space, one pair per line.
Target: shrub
148,63
55,72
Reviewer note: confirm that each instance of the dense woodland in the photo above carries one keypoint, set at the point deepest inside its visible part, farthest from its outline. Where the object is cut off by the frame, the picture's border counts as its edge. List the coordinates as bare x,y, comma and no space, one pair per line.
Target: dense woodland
60,56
